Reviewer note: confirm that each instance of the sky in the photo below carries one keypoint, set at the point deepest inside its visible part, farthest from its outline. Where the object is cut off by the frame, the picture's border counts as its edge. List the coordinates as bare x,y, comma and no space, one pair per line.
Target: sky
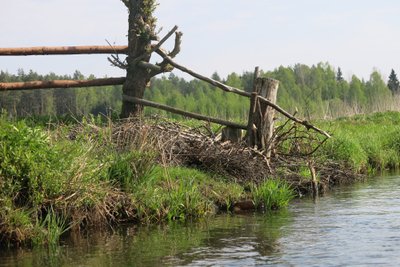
222,36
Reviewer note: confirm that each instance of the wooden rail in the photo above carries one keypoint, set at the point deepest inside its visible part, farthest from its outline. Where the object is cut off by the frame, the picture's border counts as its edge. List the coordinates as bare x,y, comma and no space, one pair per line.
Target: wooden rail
74,50
61,84
62,50
183,113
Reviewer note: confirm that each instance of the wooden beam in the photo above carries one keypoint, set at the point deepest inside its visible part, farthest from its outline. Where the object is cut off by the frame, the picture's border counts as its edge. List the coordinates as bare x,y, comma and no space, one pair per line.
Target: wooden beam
182,112
63,50
61,84
201,77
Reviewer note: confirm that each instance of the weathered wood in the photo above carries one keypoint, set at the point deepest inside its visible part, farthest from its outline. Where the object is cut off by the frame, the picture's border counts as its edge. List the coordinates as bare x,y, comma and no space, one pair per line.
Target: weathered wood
270,91
158,45
201,77
251,128
61,84
182,112
262,114
62,50
231,134
314,179
307,124
140,32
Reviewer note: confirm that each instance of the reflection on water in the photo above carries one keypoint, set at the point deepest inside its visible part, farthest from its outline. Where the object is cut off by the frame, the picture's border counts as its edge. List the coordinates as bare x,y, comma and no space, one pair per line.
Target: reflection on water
358,225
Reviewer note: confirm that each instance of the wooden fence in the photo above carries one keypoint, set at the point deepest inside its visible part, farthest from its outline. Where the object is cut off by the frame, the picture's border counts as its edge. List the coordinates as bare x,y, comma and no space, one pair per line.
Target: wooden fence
263,105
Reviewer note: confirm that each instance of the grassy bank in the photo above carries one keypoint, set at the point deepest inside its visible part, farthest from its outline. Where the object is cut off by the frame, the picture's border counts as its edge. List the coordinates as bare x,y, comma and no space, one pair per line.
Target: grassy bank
57,177
61,177
367,142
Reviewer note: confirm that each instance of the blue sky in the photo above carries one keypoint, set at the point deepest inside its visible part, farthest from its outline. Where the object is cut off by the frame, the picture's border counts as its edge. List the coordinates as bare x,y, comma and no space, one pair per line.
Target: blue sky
224,36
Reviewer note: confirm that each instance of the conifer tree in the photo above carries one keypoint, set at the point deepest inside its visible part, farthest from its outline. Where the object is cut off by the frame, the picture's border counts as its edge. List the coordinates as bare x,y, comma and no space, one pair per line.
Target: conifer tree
393,83
339,75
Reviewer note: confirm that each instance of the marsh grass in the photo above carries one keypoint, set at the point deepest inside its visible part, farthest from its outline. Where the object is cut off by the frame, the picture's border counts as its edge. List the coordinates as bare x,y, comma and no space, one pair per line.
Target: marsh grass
272,194
365,142
179,193
49,229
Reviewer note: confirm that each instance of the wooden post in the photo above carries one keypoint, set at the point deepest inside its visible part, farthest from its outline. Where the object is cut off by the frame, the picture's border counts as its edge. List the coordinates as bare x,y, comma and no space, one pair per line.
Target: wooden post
251,136
231,134
269,91
261,116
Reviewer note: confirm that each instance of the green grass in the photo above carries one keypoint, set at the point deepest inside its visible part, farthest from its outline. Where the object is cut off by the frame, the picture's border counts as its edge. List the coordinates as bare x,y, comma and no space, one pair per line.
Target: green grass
55,177
272,194
366,142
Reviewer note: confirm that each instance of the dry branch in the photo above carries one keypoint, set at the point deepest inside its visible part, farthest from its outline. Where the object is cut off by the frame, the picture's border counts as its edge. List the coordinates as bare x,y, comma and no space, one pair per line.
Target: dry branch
289,116
157,46
63,50
177,46
182,112
201,77
61,84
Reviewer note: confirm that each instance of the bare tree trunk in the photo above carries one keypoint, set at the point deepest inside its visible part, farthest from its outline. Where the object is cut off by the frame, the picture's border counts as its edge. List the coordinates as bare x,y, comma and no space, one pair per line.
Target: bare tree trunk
141,33
261,117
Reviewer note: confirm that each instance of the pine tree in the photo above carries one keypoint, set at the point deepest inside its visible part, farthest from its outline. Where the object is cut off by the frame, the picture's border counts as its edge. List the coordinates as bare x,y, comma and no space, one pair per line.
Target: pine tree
393,83
339,75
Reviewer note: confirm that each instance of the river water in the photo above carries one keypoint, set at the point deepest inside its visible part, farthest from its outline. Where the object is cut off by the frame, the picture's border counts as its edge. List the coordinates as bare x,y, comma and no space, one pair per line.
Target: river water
352,226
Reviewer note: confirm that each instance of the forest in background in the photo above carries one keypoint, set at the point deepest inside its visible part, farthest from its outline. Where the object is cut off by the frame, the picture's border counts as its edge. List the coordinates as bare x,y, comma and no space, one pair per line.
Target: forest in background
316,92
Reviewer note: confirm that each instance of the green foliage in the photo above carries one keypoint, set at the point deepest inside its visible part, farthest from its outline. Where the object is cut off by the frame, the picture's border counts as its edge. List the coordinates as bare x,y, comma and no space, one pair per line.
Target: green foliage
49,230
317,91
272,194
346,149
28,163
178,193
130,168
366,141
393,83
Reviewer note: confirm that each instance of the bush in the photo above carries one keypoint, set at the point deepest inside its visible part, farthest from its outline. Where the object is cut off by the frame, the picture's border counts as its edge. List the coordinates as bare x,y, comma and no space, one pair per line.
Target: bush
29,165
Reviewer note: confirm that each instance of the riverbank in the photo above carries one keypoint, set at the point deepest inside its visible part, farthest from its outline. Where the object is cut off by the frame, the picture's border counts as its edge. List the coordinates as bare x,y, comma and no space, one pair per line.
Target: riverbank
62,177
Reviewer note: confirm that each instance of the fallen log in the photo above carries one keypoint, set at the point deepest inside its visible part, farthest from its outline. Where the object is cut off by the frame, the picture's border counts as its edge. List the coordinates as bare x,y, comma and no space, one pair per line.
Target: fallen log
182,112
63,50
61,84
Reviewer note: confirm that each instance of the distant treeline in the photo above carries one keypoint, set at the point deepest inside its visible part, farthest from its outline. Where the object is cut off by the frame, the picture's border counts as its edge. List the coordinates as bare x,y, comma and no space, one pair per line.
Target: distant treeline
318,91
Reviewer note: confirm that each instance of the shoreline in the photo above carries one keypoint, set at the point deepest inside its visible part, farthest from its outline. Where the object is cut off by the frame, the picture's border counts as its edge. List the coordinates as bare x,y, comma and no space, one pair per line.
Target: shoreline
138,172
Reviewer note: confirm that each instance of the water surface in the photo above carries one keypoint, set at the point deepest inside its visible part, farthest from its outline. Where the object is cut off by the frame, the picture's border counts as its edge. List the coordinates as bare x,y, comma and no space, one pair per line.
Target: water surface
352,226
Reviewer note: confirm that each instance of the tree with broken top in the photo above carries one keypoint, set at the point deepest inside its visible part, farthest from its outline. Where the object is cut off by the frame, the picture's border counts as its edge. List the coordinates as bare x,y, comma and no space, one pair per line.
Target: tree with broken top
141,35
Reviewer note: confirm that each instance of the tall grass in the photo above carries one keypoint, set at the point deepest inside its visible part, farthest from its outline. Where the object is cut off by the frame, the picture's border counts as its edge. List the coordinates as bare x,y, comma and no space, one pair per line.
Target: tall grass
272,194
366,142
55,177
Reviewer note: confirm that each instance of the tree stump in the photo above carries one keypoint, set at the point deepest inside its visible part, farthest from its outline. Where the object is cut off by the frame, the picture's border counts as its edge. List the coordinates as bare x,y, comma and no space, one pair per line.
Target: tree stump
231,134
260,127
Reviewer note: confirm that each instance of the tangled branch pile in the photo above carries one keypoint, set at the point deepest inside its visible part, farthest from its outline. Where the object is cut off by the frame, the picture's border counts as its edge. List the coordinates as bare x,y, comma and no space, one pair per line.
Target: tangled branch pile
294,152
